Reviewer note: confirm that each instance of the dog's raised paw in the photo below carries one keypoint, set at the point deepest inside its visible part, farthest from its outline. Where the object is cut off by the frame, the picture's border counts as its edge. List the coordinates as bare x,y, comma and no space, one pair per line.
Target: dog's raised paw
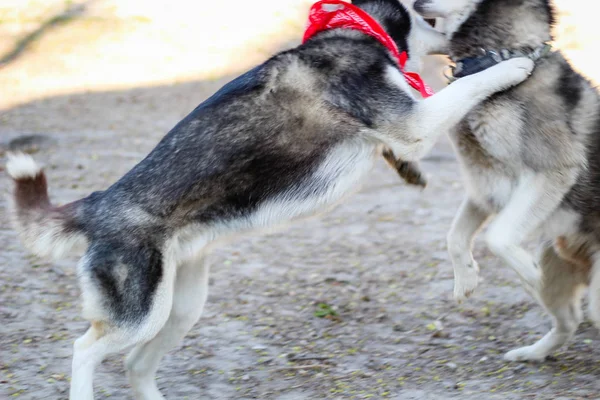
522,63
513,71
519,69
524,354
466,283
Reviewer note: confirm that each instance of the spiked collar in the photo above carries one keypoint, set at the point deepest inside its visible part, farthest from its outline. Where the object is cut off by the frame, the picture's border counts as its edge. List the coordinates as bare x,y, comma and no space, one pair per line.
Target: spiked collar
334,14
489,58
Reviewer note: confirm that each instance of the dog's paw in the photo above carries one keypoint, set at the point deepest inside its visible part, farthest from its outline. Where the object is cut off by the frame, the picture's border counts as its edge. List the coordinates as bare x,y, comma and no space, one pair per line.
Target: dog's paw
512,72
410,172
466,282
528,353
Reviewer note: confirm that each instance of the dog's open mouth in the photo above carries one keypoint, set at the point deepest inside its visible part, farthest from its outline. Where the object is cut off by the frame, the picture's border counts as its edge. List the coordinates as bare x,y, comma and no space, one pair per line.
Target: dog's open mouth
430,21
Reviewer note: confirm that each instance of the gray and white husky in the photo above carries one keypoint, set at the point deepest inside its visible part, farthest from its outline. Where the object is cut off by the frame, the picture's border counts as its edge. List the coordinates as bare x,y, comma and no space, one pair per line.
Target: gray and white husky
531,159
284,141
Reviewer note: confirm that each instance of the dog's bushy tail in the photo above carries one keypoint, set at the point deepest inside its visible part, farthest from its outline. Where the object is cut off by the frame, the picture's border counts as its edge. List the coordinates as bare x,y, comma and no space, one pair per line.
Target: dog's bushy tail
48,231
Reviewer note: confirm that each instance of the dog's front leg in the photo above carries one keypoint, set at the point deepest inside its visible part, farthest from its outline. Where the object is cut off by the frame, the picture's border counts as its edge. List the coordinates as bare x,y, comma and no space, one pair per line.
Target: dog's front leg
465,226
536,197
443,111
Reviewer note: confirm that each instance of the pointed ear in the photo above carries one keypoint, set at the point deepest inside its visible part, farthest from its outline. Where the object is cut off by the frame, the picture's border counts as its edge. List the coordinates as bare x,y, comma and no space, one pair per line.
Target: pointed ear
363,2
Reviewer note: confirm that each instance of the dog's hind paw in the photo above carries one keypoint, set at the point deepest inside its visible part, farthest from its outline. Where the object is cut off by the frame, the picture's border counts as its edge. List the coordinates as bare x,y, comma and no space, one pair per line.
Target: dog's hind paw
528,353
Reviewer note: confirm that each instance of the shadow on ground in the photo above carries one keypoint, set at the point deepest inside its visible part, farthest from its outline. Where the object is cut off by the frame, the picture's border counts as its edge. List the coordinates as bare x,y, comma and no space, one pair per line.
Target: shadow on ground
70,12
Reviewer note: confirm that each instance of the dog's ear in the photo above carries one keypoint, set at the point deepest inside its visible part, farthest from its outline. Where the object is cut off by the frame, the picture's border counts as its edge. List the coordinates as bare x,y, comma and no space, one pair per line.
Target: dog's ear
363,2
393,3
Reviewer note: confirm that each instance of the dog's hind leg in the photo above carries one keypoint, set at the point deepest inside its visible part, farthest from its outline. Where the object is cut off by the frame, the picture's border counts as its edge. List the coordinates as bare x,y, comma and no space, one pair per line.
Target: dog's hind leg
566,319
579,255
594,296
537,196
87,355
99,341
589,263
562,287
189,296
128,297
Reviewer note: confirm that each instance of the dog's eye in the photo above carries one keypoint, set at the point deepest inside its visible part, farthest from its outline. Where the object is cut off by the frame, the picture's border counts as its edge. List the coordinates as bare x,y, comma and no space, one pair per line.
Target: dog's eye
430,21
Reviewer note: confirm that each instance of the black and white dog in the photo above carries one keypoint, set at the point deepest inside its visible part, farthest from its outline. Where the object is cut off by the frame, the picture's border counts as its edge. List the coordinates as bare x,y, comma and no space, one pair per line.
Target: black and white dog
286,140
531,161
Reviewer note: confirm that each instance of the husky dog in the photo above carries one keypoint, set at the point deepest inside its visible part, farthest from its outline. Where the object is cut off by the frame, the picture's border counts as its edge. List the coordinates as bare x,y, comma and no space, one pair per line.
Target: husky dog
286,140
530,156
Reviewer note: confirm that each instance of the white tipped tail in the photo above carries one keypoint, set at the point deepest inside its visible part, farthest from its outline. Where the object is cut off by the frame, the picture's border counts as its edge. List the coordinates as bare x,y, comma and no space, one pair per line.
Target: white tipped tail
21,166
45,229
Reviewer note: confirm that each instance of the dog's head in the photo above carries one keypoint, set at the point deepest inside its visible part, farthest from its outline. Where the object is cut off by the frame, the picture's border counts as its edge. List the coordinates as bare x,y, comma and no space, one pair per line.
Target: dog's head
442,8
500,23
409,30
460,9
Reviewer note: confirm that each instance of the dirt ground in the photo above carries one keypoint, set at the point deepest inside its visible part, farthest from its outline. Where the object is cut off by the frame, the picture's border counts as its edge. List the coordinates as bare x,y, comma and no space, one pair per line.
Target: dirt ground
353,304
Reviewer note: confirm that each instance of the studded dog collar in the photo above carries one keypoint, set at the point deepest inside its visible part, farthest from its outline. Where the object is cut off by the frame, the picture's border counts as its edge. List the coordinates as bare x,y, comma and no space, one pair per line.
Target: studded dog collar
489,58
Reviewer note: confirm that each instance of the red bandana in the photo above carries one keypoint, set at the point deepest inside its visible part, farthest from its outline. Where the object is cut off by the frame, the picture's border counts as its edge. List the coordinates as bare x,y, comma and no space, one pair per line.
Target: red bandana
332,14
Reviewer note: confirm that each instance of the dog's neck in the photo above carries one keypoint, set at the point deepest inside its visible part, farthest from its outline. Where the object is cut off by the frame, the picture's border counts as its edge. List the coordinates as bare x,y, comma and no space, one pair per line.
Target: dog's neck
399,39
397,29
486,25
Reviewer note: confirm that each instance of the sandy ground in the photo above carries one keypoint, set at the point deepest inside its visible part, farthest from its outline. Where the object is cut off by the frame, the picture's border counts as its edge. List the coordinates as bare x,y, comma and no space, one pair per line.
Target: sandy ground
104,83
